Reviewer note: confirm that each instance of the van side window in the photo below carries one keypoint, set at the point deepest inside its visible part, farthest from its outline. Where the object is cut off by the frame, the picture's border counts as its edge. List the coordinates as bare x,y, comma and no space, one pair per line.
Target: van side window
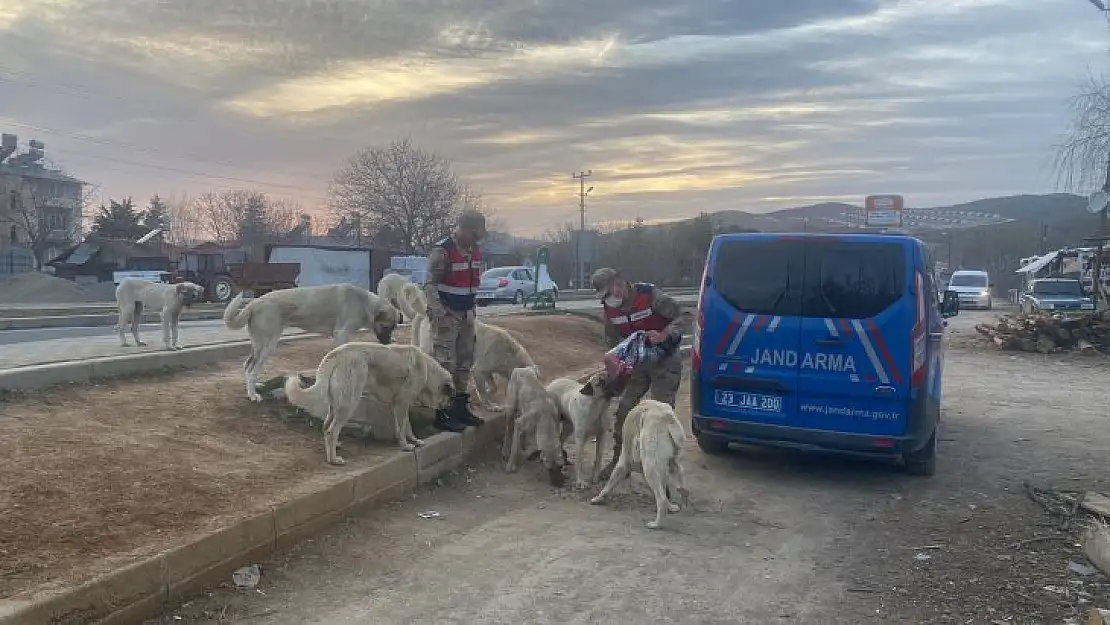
853,281
760,277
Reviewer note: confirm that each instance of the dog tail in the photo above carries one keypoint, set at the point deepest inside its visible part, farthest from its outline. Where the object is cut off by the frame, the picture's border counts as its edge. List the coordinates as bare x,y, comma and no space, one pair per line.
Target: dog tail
236,316
314,399
419,328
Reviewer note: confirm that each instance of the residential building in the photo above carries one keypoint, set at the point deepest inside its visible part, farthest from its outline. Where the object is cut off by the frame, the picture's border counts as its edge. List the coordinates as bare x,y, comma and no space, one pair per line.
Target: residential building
41,208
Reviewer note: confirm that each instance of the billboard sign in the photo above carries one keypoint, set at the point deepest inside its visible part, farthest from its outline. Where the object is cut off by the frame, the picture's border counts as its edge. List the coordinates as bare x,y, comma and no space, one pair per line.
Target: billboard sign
883,211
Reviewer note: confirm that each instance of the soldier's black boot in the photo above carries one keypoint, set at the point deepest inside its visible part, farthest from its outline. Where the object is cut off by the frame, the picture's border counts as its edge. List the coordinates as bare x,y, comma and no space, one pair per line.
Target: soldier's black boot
607,470
444,422
460,411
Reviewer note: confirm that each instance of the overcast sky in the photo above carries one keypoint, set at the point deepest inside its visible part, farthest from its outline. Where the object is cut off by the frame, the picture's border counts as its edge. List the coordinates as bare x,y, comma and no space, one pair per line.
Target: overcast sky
677,107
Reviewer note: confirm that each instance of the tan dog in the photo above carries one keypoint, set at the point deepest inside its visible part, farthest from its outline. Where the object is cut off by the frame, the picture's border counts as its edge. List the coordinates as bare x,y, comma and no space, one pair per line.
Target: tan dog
496,352
411,301
584,409
133,294
400,376
335,310
389,288
532,416
653,440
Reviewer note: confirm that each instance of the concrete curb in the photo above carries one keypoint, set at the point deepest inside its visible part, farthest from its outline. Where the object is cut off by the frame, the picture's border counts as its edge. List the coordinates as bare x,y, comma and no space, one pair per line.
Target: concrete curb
137,591
91,320
83,371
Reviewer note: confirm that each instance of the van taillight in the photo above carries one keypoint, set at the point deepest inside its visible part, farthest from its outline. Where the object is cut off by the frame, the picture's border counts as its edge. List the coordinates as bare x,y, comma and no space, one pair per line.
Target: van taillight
917,345
699,320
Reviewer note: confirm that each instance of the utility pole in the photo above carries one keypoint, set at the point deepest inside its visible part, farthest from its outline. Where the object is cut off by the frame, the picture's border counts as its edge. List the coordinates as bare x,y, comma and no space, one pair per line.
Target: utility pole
581,176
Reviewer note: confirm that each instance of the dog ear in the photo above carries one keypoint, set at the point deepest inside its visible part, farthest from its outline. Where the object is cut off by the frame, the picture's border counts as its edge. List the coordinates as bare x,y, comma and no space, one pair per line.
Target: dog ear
588,389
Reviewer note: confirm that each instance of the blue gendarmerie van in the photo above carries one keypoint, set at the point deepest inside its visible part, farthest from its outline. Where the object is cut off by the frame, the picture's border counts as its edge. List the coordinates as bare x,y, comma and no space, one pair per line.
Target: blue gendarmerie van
820,342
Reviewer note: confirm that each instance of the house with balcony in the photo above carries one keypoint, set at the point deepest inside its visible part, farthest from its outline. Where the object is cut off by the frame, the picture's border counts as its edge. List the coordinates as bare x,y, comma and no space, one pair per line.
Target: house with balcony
40,207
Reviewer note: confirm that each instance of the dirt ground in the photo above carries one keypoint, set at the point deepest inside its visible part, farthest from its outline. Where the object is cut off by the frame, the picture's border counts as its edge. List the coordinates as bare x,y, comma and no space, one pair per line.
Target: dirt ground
770,536
100,475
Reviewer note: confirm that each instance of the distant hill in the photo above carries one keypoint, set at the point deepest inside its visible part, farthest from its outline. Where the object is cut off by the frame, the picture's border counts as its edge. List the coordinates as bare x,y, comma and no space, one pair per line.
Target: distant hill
1050,209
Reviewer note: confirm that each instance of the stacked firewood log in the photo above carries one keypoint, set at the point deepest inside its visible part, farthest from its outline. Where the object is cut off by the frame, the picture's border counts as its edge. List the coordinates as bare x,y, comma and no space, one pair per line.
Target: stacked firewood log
1046,332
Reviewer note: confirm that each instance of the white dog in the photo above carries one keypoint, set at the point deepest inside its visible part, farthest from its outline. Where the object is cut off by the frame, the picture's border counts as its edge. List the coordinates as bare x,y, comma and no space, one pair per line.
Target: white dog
400,376
335,310
584,408
653,440
532,416
496,352
411,301
133,294
389,288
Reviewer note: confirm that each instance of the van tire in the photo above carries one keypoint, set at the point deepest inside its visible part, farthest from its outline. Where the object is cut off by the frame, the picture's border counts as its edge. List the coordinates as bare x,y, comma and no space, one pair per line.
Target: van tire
922,462
712,446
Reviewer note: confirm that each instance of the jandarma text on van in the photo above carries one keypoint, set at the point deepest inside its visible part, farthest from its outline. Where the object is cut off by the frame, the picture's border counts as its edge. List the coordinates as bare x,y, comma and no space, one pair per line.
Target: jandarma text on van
874,415
821,361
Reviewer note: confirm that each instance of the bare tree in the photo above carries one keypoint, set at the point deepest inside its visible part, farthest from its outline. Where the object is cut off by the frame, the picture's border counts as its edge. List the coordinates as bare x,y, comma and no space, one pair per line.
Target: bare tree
402,191
40,223
1081,161
244,216
185,221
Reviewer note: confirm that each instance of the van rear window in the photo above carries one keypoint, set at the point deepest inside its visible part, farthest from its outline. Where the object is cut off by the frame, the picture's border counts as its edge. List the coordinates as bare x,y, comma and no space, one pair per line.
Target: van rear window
853,281
822,279
760,277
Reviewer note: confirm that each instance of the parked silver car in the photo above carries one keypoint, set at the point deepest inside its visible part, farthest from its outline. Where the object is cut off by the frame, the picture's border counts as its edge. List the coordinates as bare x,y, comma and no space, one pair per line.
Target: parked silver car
507,284
1056,295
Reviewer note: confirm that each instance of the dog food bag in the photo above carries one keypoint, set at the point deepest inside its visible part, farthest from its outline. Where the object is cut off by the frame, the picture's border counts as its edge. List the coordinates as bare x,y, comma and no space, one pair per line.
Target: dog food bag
630,352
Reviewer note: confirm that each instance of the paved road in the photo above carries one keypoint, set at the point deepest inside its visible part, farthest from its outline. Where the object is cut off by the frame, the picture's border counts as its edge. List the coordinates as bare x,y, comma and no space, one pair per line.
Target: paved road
26,347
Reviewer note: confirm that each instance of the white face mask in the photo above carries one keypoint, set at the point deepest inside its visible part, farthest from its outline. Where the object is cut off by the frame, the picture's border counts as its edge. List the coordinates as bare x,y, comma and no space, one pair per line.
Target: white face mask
612,302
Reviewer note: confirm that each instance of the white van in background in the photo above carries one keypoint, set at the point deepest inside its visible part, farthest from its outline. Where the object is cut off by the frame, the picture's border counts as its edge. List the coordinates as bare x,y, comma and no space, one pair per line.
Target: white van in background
973,288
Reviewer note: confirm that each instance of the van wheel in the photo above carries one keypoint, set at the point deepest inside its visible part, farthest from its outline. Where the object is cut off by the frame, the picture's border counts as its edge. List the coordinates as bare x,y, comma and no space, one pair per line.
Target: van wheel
712,446
922,462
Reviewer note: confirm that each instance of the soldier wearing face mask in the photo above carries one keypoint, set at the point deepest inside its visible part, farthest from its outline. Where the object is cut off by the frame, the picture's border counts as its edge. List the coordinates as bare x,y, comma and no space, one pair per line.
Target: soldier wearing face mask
640,306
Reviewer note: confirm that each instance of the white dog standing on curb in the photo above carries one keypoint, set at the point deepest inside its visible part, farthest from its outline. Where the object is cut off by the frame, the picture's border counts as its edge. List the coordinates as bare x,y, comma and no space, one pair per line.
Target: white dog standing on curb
335,310
133,295
399,376
653,440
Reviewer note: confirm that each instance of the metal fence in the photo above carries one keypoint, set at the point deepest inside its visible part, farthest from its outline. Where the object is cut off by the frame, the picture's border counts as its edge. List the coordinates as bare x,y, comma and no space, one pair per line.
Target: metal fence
16,259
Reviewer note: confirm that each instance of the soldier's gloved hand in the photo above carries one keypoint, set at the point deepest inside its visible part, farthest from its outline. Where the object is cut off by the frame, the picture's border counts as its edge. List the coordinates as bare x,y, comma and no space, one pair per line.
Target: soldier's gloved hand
655,337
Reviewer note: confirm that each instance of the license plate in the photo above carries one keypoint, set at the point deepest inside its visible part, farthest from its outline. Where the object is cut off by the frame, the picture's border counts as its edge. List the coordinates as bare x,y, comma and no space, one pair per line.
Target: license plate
485,295
748,401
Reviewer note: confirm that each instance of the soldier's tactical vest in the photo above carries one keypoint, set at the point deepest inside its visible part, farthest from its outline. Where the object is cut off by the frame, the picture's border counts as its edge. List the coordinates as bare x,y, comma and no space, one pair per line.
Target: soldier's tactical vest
459,285
640,316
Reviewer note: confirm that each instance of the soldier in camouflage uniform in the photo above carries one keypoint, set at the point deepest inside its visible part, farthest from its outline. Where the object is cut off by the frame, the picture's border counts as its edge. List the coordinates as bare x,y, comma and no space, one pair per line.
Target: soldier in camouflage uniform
630,307
454,272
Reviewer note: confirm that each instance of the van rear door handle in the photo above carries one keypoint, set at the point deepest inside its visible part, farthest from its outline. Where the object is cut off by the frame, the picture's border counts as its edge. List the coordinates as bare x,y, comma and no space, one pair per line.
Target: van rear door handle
830,342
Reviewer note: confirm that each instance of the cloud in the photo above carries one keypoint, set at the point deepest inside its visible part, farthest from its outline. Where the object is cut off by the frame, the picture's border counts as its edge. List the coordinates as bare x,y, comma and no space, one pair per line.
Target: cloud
676,107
